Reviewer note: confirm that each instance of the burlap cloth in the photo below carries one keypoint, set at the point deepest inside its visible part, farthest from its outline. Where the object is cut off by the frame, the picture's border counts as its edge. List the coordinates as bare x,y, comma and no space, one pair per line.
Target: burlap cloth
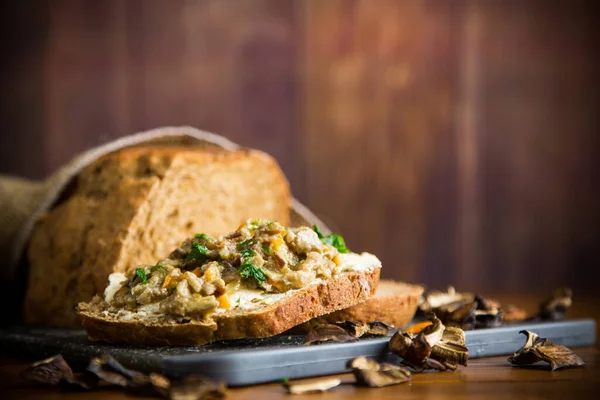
22,201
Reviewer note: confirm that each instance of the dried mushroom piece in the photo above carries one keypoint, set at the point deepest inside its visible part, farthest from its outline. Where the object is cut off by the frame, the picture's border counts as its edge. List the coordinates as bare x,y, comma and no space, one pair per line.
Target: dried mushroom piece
435,347
359,329
538,349
354,328
322,385
379,328
50,371
555,307
371,373
328,333
111,371
197,388
434,299
513,313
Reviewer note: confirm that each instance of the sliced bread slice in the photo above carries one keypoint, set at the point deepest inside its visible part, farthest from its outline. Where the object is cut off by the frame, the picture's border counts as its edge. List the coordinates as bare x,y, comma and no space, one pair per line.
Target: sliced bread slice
267,319
258,281
394,303
134,206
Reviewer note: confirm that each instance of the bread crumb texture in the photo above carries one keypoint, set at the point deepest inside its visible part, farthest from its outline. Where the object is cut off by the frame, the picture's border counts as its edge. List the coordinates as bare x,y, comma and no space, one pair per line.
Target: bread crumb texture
134,206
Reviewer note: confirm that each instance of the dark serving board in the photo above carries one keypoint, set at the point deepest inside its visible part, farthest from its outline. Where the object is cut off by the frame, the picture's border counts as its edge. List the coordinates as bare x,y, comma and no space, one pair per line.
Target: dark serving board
252,361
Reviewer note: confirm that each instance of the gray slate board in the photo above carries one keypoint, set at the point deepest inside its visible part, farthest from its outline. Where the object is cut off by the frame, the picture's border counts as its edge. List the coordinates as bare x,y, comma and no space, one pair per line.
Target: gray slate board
252,361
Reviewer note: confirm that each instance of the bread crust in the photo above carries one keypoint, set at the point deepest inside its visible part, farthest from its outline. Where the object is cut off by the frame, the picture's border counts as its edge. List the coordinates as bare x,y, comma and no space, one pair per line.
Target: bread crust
109,219
324,297
397,309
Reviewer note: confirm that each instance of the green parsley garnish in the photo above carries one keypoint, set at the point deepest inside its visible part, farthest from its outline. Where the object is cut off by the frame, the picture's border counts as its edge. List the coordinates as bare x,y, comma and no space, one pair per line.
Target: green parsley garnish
198,252
141,272
285,380
157,267
239,301
201,236
247,253
243,244
266,249
334,240
248,270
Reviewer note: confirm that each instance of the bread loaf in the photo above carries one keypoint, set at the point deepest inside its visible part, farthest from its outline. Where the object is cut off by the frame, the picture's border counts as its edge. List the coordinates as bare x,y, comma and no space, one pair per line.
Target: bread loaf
133,207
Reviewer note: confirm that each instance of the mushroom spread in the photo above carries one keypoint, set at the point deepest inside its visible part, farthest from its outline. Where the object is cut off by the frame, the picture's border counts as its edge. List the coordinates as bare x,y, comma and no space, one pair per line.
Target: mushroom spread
209,275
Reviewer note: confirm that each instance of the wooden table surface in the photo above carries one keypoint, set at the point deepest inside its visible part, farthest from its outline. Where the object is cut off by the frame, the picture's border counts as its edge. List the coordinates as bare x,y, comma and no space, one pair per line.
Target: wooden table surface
490,377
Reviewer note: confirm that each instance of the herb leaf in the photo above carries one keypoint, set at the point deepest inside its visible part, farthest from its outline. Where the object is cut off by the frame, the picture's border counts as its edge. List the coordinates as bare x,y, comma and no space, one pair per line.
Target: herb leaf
198,252
201,236
318,231
243,244
141,272
334,240
248,270
266,249
247,253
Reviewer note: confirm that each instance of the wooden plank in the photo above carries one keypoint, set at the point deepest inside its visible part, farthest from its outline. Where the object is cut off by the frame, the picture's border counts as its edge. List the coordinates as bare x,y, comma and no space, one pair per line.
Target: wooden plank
380,86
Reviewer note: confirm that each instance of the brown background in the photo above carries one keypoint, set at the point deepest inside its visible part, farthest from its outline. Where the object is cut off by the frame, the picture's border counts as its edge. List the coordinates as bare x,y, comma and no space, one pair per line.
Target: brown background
455,139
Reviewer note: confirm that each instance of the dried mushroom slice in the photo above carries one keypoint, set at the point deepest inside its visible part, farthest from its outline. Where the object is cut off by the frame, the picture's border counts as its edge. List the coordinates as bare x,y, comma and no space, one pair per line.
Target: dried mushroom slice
433,300
555,307
359,329
322,385
379,328
513,313
111,371
538,349
373,374
50,371
354,328
328,333
197,388
435,347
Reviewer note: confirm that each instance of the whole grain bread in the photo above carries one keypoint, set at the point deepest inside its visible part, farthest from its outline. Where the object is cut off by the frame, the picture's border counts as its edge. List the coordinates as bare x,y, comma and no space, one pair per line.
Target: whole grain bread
299,306
132,207
394,303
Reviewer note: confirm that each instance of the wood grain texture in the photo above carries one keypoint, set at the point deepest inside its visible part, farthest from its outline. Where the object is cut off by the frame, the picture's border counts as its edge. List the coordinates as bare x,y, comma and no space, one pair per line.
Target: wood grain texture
491,377
456,140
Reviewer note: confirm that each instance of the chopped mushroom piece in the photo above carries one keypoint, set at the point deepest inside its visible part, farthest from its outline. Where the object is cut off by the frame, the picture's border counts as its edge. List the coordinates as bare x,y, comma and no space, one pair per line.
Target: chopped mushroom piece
371,373
540,349
326,333
322,385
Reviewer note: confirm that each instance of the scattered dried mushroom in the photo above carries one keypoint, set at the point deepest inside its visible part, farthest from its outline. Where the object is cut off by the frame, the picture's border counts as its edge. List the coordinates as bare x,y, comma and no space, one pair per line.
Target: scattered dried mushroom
312,387
327,333
555,307
540,349
359,329
50,371
371,373
435,347
345,331
471,311
105,371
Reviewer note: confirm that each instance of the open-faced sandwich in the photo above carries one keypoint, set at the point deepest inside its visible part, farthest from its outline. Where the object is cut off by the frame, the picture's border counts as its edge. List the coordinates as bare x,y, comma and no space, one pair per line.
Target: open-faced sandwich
258,281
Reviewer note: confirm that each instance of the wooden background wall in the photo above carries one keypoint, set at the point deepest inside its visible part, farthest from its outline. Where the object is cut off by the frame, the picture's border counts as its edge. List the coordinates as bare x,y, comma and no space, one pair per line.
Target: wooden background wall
455,139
